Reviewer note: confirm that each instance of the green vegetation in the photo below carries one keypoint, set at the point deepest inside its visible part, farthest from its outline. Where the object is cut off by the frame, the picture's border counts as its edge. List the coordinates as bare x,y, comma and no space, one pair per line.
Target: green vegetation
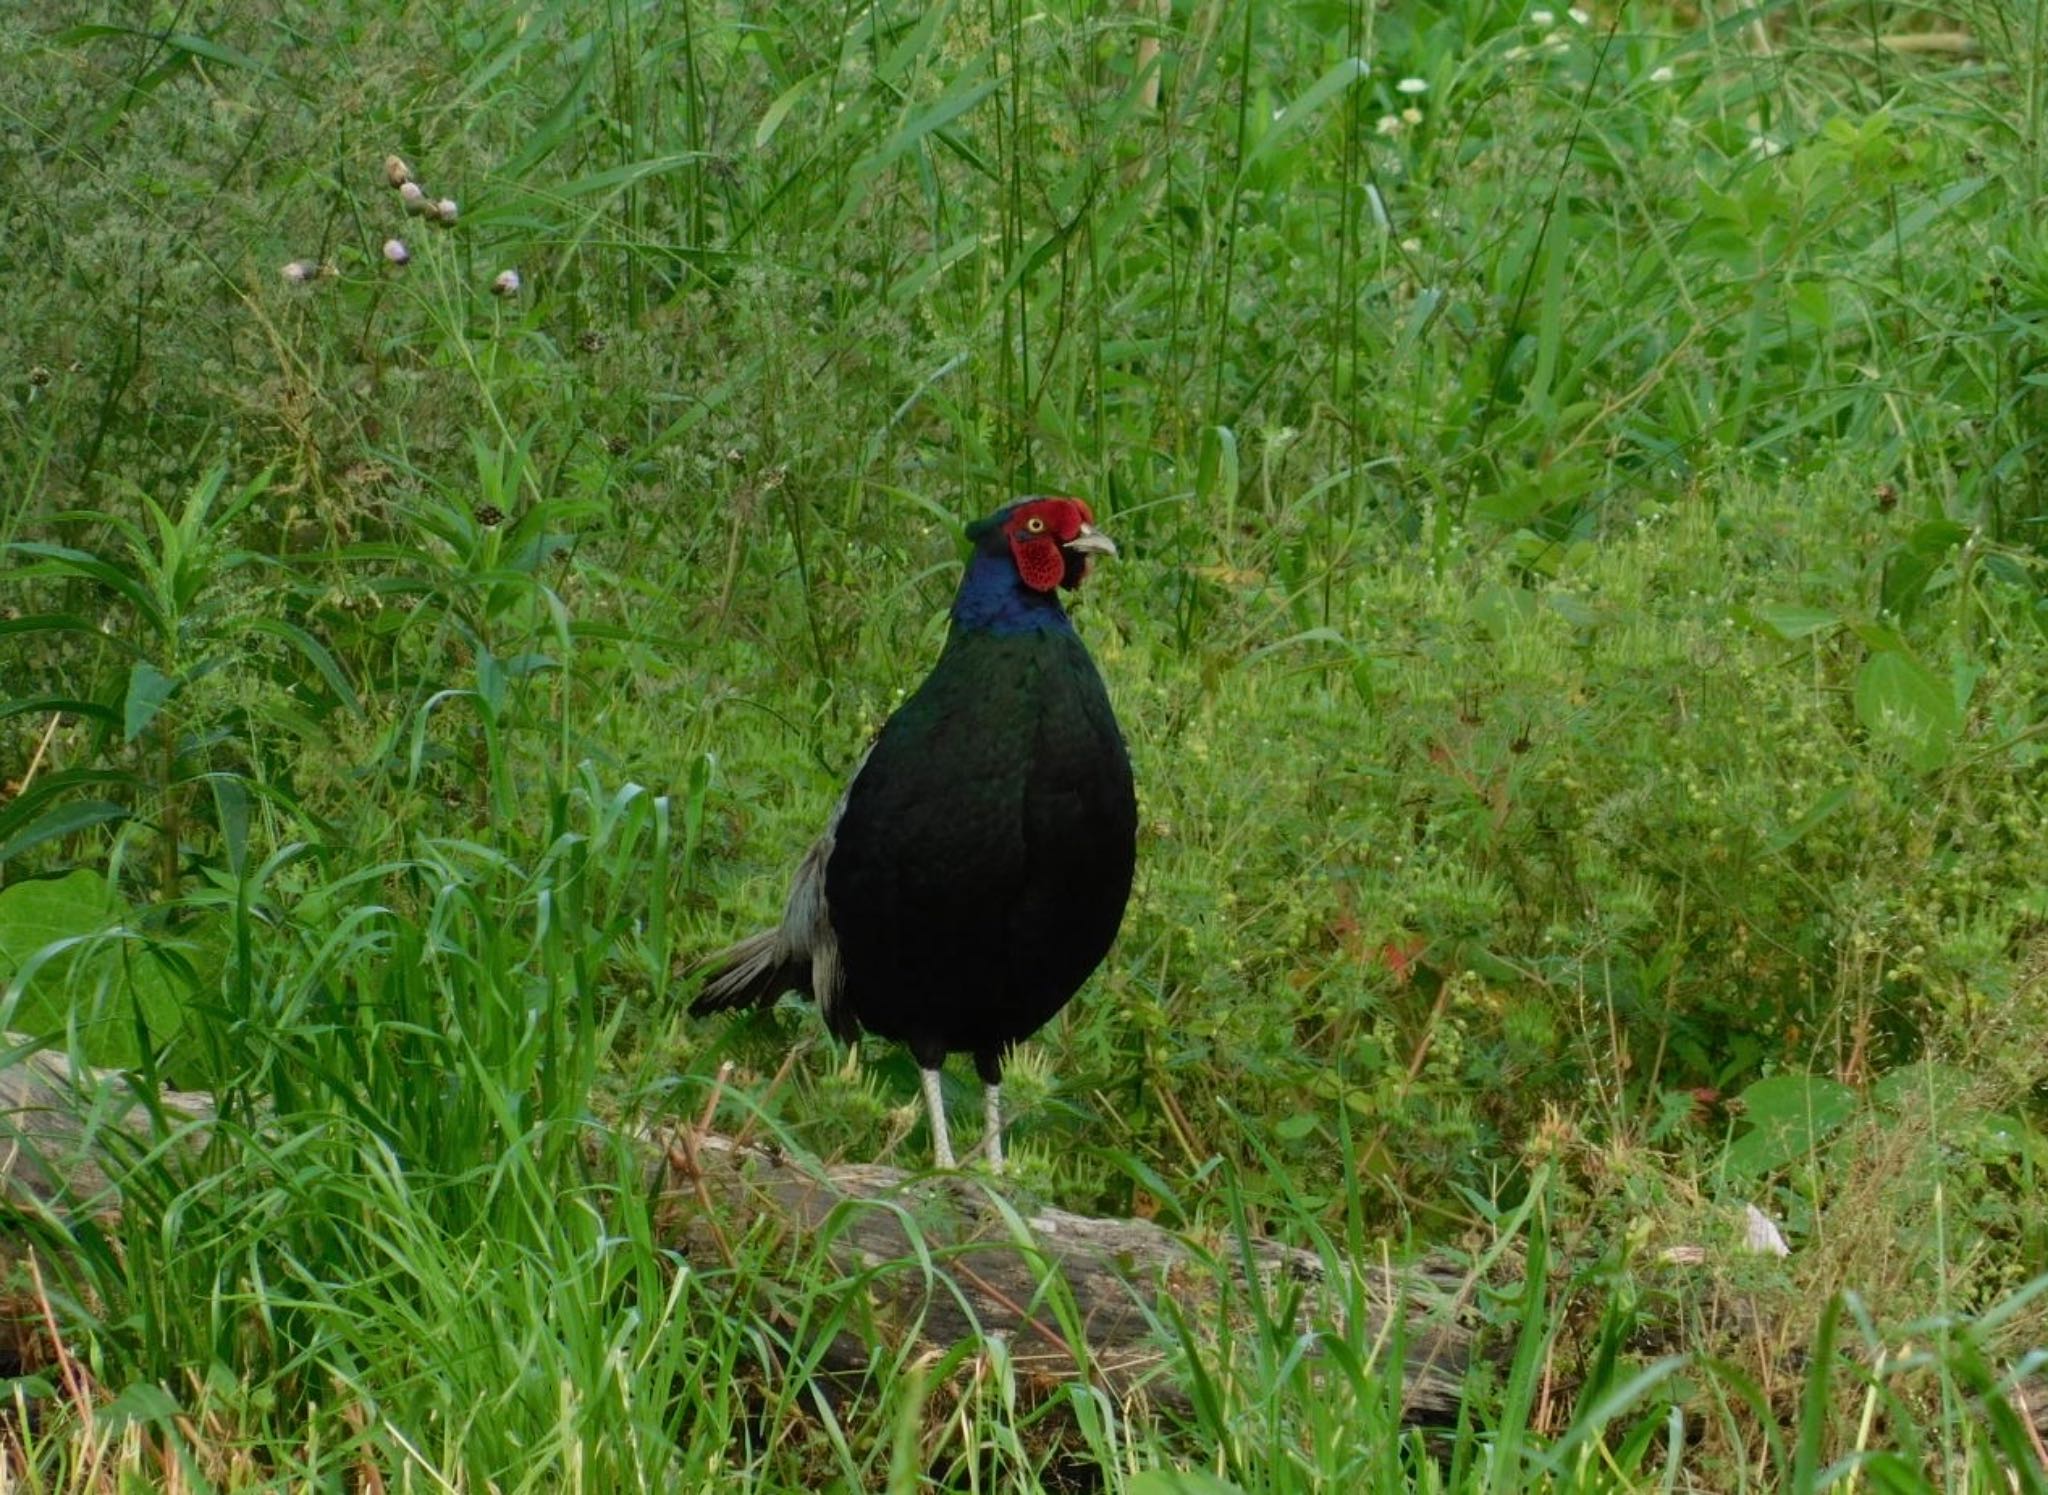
1582,485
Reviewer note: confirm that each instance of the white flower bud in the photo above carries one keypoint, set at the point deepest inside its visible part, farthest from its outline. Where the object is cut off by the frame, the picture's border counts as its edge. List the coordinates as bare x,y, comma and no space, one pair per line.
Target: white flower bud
445,212
396,252
300,272
1411,86
414,199
507,284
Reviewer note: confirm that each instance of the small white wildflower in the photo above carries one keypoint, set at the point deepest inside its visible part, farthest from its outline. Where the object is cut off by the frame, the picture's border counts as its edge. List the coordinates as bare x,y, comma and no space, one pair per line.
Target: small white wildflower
396,253
414,199
1411,115
1411,246
300,272
1763,145
1390,124
1411,86
1580,16
1663,74
1542,17
396,172
446,212
507,284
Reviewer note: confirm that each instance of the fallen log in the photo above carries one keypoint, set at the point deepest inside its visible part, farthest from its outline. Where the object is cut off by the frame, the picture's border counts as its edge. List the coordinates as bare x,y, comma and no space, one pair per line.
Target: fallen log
58,1123
924,1263
942,1259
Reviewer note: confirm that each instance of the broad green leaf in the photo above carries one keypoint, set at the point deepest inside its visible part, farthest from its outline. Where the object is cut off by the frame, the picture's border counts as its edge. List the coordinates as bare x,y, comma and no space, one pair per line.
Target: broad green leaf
1216,472
967,91
60,706
1963,676
148,689
1937,537
231,802
62,560
1814,1403
1294,1128
70,979
1573,608
316,655
632,171
1907,709
935,264
41,911
65,820
213,51
1820,413
1927,1083
915,47
1788,1116
141,1404
552,128
1305,108
955,102
184,43
1877,637
62,623
1790,621
519,32
778,109
490,681
1906,575
1503,610
1550,310
1181,1482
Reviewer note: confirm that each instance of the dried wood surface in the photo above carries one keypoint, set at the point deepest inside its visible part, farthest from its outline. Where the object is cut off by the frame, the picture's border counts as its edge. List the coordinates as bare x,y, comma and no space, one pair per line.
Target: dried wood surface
934,1260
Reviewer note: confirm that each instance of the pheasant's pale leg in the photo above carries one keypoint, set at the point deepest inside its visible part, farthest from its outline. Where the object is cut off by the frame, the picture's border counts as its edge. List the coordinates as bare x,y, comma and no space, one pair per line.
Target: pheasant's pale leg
942,1145
992,1126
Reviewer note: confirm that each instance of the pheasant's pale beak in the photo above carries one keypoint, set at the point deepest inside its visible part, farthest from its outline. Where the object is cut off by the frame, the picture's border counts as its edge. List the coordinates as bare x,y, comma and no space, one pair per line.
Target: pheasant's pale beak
1092,541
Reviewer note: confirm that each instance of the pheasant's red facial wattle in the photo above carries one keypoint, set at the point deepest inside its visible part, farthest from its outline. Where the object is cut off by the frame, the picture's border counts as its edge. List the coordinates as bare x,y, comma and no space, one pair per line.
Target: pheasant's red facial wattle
1039,562
1038,531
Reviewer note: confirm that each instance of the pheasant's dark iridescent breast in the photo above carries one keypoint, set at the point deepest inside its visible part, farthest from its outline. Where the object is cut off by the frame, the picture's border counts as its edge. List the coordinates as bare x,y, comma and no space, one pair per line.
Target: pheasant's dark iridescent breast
983,860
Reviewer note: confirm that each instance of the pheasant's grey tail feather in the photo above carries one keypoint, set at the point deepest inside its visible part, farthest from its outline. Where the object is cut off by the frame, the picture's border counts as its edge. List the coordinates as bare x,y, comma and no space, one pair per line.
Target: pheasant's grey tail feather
800,954
748,974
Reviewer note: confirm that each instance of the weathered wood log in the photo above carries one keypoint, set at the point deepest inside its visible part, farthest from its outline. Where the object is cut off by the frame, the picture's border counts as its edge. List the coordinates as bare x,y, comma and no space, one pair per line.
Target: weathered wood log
57,1124
921,1263
942,1259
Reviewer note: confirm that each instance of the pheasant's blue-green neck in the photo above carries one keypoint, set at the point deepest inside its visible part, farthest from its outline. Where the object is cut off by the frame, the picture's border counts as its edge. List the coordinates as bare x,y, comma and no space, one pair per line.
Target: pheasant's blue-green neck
994,599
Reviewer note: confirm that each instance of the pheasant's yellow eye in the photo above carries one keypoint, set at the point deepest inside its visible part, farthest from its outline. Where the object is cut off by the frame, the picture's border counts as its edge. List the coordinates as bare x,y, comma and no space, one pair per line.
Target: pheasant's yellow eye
1035,525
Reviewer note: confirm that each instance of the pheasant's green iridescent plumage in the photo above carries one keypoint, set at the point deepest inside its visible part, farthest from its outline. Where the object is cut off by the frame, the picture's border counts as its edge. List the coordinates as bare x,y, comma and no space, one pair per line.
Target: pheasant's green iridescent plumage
978,866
